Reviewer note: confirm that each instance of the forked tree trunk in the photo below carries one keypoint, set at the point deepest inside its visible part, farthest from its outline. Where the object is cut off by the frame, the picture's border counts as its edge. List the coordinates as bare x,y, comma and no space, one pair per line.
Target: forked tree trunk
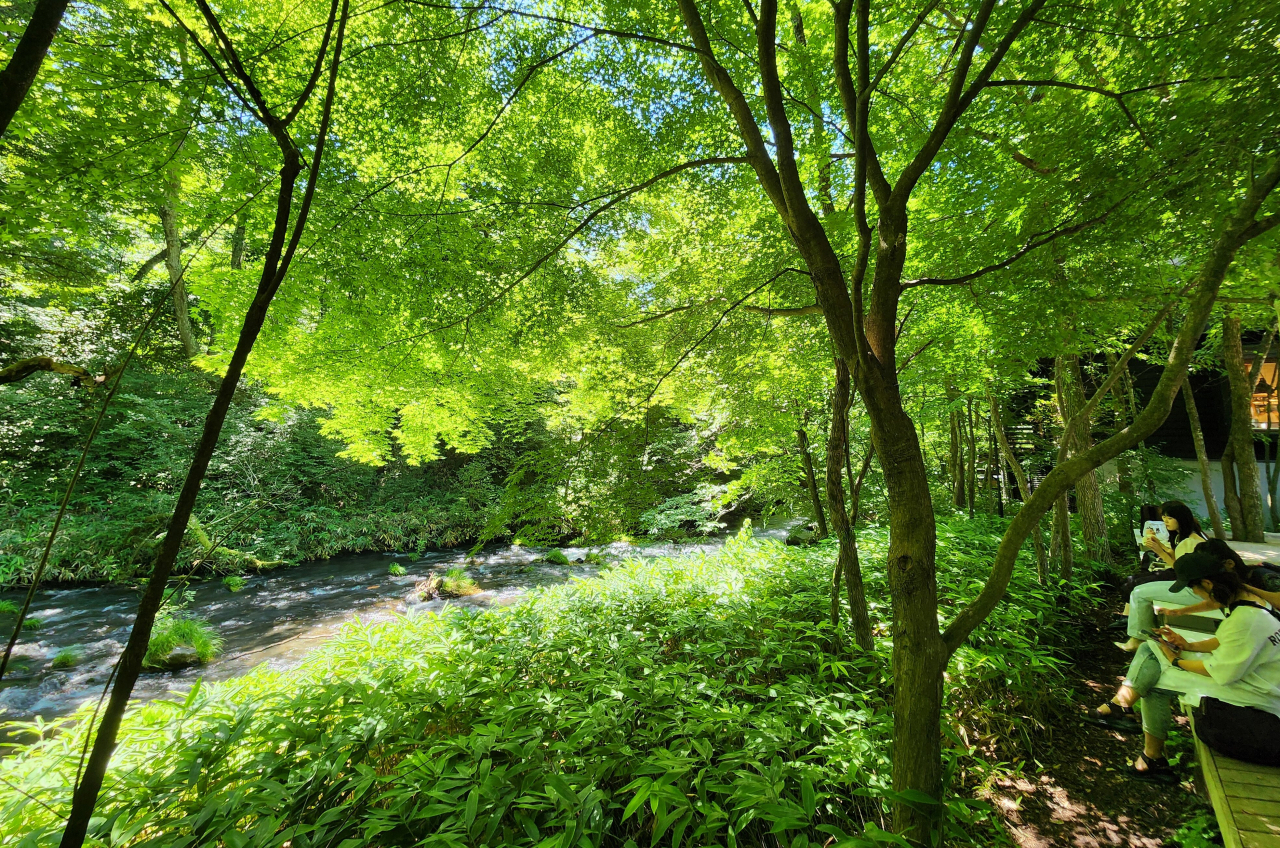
811,481
1202,460
1024,485
841,518
1246,485
862,321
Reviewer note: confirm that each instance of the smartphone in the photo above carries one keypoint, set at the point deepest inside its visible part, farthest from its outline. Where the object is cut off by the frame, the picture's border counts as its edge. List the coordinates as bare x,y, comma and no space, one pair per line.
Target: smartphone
1152,634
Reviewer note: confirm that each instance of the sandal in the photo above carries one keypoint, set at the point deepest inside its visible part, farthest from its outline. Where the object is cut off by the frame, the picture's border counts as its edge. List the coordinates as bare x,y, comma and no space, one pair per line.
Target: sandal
1123,719
1157,770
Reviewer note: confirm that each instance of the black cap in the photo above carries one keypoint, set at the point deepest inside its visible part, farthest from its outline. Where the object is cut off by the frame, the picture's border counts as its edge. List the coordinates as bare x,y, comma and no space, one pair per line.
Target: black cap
1193,566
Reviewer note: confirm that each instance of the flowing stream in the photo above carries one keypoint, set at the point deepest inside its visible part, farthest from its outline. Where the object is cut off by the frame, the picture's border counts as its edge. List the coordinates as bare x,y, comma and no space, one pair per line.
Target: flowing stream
276,619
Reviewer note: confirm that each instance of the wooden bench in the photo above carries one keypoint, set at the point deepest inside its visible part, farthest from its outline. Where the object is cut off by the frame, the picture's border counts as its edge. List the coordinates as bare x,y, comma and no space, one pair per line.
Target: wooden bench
1245,798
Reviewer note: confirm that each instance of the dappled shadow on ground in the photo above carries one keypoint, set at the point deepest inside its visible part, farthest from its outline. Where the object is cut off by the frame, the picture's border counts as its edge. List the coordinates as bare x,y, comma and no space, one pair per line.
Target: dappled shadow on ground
1080,793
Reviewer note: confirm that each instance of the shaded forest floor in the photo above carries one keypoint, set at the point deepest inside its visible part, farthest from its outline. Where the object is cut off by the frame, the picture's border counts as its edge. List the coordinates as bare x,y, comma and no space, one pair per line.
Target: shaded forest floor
1079,792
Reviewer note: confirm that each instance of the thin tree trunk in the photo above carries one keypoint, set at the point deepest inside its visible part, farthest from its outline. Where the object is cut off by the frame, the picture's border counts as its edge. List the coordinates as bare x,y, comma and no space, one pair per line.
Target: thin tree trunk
284,241
1089,505
1241,382
24,64
973,457
173,264
1202,459
1230,492
847,560
237,241
1024,484
1124,469
956,464
1062,537
811,481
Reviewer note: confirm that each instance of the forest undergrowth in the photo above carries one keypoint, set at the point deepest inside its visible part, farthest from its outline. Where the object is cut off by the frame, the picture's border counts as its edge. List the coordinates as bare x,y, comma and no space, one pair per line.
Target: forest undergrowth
691,701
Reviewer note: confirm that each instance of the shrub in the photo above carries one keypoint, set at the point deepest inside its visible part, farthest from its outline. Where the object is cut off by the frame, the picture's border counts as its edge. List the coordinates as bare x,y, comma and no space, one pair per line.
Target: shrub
555,556
692,701
234,582
67,658
32,623
176,628
9,608
456,583
396,570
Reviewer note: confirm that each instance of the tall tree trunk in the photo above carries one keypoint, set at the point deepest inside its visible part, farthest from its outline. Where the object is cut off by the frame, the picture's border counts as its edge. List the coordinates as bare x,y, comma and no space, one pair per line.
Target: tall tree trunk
972,444
1089,505
1062,538
1241,383
286,233
173,264
24,64
1230,491
1124,468
847,560
1024,485
1202,459
956,463
811,481
237,240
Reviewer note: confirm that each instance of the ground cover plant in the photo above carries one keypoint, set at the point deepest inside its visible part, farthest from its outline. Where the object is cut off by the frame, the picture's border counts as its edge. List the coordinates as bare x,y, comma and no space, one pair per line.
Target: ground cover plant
693,701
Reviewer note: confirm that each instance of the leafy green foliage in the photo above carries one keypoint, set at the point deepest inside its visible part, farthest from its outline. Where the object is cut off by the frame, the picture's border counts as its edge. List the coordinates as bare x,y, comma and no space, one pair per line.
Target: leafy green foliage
693,701
176,628
396,570
234,582
456,584
555,556
67,658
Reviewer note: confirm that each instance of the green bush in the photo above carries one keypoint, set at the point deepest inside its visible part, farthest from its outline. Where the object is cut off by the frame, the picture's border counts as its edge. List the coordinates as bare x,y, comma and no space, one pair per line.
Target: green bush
693,701
396,570
9,608
67,658
176,628
456,584
555,556
234,582
32,624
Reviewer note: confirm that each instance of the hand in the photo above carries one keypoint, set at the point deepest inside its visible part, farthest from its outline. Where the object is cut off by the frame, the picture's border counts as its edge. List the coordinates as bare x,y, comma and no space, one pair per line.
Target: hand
1152,542
1170,652
1167,612
1173,639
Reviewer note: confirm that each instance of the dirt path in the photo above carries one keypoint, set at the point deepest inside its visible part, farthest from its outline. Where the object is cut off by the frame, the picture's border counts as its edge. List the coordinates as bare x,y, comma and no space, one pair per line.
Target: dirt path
1080,793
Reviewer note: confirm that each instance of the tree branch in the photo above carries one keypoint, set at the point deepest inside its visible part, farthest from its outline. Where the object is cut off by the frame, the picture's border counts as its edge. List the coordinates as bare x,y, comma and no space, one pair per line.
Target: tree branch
1037,241
1231,236
722,82
24,368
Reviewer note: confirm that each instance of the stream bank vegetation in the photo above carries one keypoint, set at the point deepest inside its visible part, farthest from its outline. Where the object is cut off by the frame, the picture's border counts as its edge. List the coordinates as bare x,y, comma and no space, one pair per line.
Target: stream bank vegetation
677,701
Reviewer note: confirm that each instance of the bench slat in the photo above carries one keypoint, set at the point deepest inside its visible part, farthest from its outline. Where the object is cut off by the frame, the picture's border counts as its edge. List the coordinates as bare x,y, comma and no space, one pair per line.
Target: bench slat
1251,791
1250,839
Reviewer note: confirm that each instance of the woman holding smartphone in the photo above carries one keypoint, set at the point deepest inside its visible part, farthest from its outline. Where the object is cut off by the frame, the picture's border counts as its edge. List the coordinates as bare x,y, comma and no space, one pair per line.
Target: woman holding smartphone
1233,677
1184,534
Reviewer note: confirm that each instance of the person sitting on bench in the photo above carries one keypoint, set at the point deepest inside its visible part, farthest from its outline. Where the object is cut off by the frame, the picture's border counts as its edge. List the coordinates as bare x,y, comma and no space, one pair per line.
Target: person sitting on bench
1263,580
1184,535
1235,673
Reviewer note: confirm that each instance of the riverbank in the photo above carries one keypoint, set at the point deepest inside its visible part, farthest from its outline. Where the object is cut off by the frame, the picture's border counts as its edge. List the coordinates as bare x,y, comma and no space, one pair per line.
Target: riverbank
277,618
690,696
